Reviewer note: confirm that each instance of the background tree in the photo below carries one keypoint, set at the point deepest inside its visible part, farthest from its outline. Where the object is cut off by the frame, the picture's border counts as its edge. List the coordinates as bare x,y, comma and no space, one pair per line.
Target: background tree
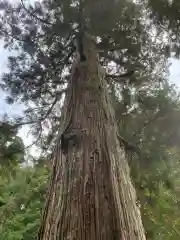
23,196
11,148
153,167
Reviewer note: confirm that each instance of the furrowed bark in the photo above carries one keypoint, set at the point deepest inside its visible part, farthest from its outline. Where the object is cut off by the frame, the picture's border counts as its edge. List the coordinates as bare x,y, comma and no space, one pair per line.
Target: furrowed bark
90,196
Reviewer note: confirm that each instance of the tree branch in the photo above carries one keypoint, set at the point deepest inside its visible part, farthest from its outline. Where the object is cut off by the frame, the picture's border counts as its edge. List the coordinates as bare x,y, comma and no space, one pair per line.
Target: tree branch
46,115
129,146
24,123
21,40
120,78
124,75
34,16
51,108
37,140
11,36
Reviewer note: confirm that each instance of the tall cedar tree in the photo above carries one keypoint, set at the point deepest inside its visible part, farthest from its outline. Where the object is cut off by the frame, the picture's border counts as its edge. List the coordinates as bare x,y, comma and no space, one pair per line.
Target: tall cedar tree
90,192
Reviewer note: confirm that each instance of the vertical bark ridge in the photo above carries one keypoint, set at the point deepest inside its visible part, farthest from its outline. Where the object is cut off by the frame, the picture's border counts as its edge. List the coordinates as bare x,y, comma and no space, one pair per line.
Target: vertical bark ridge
91,196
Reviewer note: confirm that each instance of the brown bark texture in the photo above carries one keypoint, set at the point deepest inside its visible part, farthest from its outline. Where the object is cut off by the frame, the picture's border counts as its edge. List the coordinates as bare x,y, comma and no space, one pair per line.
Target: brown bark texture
91,196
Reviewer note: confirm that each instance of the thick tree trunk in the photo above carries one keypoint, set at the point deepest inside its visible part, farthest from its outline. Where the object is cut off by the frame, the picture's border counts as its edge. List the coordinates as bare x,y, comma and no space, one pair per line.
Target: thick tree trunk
91,196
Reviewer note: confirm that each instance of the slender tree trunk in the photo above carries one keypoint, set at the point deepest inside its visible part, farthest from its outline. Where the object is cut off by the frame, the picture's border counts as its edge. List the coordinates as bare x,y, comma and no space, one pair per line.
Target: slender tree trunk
90,196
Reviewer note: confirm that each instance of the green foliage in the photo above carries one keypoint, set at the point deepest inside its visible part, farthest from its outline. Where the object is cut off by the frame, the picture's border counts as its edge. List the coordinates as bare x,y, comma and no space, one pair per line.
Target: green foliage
43,35
11,147
160,205
23,198
165,15
153,126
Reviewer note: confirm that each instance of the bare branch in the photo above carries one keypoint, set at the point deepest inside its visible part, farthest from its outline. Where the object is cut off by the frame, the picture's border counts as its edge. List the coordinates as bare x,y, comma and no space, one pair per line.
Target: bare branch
50,109
120,78
58,95
124,75
36,141
129,146
24,123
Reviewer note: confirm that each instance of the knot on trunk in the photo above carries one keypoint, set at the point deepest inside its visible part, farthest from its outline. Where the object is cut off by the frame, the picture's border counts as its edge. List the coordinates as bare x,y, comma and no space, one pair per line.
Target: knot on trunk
71,138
